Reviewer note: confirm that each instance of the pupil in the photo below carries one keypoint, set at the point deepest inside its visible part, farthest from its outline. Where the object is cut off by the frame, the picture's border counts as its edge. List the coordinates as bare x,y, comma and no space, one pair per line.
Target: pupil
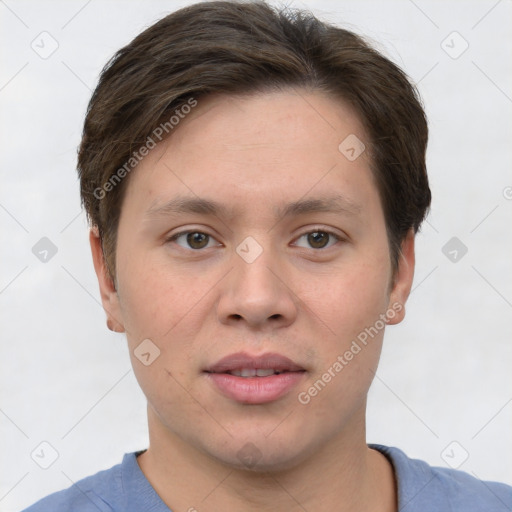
197,240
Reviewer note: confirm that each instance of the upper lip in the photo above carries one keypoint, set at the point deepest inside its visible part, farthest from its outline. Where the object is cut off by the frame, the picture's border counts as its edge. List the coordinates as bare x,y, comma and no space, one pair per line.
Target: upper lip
241,360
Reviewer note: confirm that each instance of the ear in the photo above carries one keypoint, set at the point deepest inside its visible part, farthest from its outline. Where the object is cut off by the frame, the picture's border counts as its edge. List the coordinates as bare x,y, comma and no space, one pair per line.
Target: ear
402,282
109,297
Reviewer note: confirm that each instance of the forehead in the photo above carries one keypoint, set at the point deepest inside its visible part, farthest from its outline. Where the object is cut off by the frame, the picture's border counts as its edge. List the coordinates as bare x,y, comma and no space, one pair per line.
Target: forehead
271,118
262,147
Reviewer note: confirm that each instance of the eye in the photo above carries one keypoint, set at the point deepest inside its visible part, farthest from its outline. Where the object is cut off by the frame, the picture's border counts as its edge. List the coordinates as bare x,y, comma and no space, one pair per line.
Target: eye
195,240
319,238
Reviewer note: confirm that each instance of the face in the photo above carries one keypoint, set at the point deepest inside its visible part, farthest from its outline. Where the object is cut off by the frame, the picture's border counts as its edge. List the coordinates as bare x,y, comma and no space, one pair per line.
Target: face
252,254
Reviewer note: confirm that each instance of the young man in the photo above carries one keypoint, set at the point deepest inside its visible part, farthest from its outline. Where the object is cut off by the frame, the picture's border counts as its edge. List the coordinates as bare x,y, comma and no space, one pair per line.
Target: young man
254,181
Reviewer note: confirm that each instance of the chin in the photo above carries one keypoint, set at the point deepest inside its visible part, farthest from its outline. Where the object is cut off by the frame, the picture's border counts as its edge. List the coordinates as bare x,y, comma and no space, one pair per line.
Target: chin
261,456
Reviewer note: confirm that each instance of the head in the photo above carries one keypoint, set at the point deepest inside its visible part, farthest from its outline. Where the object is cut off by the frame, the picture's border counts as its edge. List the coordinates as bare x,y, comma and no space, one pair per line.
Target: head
303,152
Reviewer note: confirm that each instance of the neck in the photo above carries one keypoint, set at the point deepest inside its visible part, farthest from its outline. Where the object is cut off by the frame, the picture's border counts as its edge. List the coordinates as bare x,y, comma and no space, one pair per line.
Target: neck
343,475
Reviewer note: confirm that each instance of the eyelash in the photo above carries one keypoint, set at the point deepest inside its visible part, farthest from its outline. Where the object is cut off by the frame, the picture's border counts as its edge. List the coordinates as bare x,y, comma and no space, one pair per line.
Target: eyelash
337,237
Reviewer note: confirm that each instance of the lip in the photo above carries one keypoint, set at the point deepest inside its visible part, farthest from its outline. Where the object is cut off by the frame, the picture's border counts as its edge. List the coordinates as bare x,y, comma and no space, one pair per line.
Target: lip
243,360
255,390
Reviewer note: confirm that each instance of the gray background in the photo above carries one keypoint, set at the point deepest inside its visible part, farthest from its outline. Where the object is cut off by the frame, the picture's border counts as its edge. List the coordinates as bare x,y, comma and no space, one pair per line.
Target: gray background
443,390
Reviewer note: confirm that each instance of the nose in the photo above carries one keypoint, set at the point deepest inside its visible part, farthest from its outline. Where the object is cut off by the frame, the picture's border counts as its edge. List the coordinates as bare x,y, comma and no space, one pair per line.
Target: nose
257,294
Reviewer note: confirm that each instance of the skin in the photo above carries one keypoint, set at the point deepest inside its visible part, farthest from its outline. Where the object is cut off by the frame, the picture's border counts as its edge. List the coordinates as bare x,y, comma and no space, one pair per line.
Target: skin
254,153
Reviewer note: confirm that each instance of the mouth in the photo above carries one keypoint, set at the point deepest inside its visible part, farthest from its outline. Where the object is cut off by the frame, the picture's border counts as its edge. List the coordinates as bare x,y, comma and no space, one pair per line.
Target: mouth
255,379
255,372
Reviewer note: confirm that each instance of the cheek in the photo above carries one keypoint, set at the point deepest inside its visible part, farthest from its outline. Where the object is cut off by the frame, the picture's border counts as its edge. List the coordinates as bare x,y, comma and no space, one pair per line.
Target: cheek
156,297
349,350
351,300
163,308
145,305
350,306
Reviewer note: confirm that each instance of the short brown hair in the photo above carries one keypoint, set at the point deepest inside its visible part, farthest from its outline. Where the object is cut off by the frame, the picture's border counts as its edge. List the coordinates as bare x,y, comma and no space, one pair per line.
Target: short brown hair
234,47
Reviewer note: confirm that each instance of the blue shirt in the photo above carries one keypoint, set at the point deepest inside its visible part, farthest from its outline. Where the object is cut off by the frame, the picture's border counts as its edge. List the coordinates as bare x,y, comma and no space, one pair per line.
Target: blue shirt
421,488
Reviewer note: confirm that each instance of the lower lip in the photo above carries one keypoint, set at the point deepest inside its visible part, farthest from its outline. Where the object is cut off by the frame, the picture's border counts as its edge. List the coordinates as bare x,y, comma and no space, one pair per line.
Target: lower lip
255,390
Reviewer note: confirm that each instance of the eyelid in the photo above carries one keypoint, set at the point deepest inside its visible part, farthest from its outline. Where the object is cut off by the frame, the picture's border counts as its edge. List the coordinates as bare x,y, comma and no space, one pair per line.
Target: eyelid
324,229
174,236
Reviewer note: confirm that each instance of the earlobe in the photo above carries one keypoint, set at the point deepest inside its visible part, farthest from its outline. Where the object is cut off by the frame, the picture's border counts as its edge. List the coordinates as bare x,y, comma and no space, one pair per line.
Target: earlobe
403,280
109,297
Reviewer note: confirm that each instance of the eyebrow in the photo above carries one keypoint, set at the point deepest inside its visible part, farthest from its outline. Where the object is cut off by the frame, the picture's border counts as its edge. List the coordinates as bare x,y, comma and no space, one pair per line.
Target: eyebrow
202,206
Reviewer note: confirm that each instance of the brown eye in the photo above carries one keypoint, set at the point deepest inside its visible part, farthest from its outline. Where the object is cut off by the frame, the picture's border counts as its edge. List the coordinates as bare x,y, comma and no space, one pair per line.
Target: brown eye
195,240
319,239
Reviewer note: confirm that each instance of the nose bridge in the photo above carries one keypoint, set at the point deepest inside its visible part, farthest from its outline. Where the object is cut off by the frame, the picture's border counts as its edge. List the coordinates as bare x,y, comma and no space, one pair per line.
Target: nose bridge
256,270
256,290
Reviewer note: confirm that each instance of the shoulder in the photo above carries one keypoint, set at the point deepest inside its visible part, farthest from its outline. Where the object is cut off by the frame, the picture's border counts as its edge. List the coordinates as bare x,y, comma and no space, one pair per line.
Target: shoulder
97,493
424,487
